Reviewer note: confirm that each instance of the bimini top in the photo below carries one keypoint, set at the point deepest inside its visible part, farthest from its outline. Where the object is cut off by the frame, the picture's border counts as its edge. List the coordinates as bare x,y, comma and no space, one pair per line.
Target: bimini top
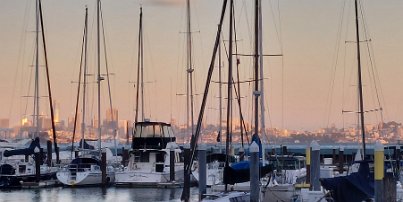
152,135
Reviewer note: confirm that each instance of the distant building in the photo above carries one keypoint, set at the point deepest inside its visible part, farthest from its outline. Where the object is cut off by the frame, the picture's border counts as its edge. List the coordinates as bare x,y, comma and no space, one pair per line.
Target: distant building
111,119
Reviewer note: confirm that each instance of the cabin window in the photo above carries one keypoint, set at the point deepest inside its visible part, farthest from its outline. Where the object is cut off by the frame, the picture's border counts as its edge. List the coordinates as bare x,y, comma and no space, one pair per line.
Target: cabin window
158,131
167,131
138,131
144,157
160,157
145,131
21,168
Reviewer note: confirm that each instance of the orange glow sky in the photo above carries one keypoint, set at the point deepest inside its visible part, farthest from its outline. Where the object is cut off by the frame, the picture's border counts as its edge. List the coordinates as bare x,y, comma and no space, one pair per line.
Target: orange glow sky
308,31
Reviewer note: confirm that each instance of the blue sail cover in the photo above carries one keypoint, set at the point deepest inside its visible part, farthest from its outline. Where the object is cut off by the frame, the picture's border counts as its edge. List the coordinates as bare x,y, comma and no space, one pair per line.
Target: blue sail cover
28,151
239,172
354,187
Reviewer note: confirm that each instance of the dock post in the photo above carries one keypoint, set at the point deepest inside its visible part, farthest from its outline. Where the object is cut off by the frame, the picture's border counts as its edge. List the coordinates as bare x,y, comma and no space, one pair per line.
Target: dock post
315,166
379,171
37,156
186,177
125,156
308,165
49,155
341,159
103,167
202,171
397,157
254,172
172,164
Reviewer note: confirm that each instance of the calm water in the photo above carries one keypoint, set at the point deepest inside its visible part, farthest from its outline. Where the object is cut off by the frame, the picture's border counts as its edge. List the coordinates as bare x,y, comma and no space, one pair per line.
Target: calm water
93,194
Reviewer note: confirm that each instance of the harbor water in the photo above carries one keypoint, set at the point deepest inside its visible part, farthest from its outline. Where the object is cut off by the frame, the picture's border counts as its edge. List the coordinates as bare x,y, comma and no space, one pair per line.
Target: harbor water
94,194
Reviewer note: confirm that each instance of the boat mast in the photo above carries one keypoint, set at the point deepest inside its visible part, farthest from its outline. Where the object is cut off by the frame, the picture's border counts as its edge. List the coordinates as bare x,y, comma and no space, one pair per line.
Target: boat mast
360,91
262,108
220,87
229,100
85,77
36,91
140,69
256,67
99,78
48,81
80,74
189,86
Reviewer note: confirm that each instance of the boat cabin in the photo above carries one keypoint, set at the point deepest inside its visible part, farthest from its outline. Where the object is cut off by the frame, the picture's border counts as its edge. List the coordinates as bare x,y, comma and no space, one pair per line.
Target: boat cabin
152,135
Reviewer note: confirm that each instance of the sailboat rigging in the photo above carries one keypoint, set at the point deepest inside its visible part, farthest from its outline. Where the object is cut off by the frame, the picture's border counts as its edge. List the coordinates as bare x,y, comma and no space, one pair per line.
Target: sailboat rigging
27,172
83,63
86,169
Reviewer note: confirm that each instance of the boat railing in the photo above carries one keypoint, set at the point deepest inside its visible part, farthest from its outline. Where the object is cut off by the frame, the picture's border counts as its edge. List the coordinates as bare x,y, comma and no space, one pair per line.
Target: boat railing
82,167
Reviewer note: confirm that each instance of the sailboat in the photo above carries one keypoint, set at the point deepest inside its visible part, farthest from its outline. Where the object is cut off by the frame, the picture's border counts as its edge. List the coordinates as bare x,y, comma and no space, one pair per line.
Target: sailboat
86,170
32,172
153,144
356,186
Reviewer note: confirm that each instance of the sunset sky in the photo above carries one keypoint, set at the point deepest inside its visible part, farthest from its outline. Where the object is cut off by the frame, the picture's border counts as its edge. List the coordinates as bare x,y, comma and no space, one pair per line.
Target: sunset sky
307,32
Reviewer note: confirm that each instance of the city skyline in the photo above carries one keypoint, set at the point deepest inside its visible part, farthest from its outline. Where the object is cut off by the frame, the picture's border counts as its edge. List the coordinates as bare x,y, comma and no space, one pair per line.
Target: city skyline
304,32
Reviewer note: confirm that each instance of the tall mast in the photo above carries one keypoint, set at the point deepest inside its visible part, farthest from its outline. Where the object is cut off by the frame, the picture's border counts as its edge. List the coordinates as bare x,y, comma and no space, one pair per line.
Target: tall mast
85,76
220,86
262,108
36,91
361,100
256,67
189,86
99,78
48,82
229,101
140,69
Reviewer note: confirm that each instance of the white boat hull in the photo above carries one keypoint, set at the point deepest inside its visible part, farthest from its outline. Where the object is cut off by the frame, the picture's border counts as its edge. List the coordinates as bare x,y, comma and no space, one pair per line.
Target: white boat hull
83,178
145,179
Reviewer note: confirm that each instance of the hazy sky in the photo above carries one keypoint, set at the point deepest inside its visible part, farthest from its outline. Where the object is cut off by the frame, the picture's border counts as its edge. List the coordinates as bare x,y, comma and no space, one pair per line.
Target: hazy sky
297,87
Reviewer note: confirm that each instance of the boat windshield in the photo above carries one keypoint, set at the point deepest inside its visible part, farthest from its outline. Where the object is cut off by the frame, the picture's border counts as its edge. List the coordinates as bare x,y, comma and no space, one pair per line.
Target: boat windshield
153,131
